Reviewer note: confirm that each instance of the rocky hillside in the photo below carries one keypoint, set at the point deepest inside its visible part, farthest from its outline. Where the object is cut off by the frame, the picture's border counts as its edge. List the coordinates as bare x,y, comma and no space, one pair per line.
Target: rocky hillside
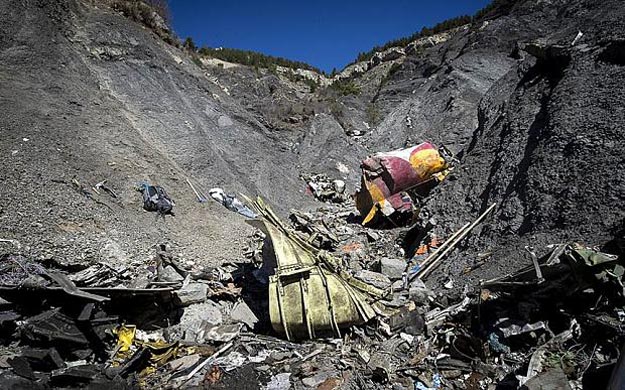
528,99
89,94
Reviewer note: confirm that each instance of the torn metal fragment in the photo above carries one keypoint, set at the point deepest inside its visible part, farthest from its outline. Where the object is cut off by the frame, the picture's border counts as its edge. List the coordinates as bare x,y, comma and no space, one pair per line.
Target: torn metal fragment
310,294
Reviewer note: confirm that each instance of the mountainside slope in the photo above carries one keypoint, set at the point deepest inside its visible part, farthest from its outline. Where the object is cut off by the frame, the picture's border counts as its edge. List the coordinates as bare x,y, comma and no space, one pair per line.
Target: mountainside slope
535,120
537,129
89,94
548,147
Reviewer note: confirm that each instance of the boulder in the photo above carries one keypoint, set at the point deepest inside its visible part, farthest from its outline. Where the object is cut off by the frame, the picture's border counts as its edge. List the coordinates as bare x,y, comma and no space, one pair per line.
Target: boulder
169,274
393,268
419,293
241,312
194,319
192,293
374,279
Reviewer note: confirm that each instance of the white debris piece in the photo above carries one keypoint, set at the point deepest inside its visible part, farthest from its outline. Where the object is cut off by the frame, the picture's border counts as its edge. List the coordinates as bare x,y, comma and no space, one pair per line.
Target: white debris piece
279,382
577,38
342,168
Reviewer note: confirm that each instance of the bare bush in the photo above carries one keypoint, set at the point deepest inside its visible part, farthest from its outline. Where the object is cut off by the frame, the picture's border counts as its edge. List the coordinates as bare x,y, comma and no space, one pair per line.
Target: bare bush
154,14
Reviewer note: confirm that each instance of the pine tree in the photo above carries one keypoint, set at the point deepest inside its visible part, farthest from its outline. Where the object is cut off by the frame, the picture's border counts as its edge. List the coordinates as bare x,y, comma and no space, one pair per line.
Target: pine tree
189,44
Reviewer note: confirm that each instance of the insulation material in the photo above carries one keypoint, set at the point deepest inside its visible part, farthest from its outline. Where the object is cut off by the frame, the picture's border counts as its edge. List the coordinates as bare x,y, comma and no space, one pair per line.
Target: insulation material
387,179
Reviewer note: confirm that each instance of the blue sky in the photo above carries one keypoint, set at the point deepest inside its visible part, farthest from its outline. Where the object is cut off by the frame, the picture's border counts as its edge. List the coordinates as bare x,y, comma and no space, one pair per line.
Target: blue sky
323,33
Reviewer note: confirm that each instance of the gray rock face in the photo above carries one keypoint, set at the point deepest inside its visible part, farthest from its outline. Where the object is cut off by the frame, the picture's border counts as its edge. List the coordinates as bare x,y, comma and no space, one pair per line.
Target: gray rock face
375,279
122,105
393,268
525,128
195,319
241,312
192,293
539,130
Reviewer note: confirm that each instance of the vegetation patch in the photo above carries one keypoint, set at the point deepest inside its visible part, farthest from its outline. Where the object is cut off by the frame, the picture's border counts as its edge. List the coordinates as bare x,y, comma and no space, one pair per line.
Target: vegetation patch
346,87
153,14
373,115
254,59
494,9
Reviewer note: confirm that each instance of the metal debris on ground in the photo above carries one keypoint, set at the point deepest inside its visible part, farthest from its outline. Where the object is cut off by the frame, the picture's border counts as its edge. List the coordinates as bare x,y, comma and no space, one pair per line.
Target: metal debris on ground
392,182
317,232
200,196
325,189
362,320
231,202
102,185
309,293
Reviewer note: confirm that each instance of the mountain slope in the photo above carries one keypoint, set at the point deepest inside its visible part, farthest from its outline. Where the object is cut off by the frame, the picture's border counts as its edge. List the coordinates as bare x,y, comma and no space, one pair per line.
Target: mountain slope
535,120
100,97
536,127
548,145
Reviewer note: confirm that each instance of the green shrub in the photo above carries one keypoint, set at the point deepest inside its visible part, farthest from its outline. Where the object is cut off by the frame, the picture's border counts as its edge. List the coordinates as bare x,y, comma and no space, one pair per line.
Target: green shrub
196,60
154,14
493,9
346,87
255,59
373,114
189,44
312,84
